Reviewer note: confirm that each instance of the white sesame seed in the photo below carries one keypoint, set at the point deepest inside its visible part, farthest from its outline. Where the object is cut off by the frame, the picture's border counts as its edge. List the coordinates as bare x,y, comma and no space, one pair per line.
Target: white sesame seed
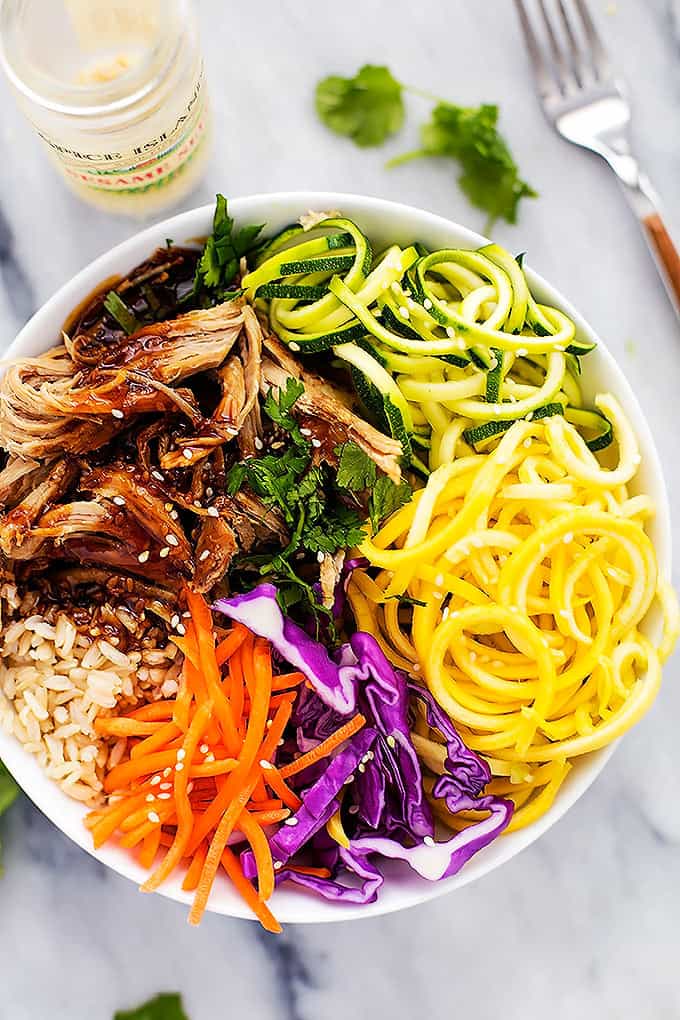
404,312
416,667
320,556
568,537
155,780
168,506
150,798
143,556
164,796
204,749
204,555
179,766
181,629
186,452
427,303
362,767
439,580
116,413
350,779
437,595
258,443
167,772
213,511
305,432
293,346
391,742
316,443
529,416
165,786
181,754
428,841
158,476
119,501
290,821
231,430
264,764
197,503
522,352
450,332
175,620
165,551
279,864
154,818
445,612
171,539
210,757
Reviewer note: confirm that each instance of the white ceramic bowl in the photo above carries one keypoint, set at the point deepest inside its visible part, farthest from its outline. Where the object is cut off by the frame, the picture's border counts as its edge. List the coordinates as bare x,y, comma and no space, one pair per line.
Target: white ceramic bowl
383,222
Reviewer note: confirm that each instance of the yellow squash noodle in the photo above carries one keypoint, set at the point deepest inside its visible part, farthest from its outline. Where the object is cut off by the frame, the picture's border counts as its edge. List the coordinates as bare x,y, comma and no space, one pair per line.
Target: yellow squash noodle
514,585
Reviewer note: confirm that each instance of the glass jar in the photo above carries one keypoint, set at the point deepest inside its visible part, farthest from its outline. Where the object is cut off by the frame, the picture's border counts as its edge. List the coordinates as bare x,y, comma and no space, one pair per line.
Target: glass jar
116,91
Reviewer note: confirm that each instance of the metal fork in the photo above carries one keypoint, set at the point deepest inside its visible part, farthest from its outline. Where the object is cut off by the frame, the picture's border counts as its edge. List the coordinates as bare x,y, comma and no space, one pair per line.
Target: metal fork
586,104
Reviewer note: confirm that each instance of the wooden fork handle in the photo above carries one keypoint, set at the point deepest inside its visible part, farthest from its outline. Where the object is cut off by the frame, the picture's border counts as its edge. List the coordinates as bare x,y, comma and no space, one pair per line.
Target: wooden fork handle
665,254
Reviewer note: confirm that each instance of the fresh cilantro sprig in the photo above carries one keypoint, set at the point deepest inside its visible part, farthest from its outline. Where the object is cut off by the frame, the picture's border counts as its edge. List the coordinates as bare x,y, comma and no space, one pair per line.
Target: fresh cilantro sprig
219,263
369,109
358,473
161,1007
9,791
469,134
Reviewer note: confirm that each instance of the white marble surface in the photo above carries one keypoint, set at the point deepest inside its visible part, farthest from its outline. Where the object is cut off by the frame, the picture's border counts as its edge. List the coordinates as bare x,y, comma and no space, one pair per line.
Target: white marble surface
584,923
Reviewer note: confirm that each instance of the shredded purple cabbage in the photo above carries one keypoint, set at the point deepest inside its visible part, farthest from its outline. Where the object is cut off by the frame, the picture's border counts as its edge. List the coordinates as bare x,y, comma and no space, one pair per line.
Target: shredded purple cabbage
376,776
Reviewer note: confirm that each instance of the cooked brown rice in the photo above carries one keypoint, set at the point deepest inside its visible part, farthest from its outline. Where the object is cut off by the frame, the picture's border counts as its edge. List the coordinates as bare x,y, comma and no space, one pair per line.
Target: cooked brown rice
56,678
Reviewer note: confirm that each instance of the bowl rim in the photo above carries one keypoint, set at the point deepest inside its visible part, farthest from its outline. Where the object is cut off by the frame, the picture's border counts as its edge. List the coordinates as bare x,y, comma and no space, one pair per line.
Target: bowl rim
295,906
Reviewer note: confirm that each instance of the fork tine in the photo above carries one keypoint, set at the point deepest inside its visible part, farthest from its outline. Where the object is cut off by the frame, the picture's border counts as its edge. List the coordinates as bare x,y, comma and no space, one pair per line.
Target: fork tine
566,76
597,51
544,80
578,64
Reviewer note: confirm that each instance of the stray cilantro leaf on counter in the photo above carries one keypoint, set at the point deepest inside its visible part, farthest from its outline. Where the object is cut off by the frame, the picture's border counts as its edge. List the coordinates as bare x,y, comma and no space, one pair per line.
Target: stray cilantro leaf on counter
161,1007
219,263
356,470
490,176
9,791
386,497
367,108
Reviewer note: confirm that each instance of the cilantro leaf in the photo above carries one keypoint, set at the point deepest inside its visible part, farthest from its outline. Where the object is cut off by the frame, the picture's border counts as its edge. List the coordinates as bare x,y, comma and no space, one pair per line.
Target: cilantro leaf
339,528
220,258
368,108
9,790
162,1007
386,497
277,408
490,176
356,470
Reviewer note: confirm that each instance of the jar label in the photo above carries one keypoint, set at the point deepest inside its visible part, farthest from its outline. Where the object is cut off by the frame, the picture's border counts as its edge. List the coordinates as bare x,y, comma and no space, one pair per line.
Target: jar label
151,164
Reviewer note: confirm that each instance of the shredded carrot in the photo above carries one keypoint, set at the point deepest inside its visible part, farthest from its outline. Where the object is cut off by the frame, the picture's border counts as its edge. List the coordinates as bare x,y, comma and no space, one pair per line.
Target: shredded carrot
271,817
155,711
121,727
286,680
180,713
188,647
231,865
150,844
203,627
158,739
270,804
325,747
254,833
278,784
234,640
195,868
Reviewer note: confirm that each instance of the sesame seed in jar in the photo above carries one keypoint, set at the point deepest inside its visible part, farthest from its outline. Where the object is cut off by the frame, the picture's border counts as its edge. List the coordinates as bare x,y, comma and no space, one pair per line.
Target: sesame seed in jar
204,555
143,556
117,413
165,551
213,511
171,539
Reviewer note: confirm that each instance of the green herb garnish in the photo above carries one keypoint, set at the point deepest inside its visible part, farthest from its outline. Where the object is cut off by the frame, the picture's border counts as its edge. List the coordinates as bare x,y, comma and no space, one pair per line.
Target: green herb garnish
219,262
356,470
490,177
406,600
9,791
367,108
161,1007
386,497
124,316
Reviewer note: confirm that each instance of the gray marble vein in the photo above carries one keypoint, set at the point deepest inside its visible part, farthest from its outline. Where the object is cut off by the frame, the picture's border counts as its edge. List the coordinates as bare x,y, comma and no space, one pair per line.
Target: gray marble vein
584,923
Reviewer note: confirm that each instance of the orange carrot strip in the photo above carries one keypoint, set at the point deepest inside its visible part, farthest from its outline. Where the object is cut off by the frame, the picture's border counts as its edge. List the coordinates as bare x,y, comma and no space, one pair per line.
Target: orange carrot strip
270,804
254,833
122,727
188,647
236,688
156,710
231,865
260,792
157,741
246,655
234,640
203,626
278,699
221,802
131,839
196,681
278,784
149,849
122,775
195,868
181,801
166,838
213,768
106,826
270,817
180,714
286,680
325,747
316,872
